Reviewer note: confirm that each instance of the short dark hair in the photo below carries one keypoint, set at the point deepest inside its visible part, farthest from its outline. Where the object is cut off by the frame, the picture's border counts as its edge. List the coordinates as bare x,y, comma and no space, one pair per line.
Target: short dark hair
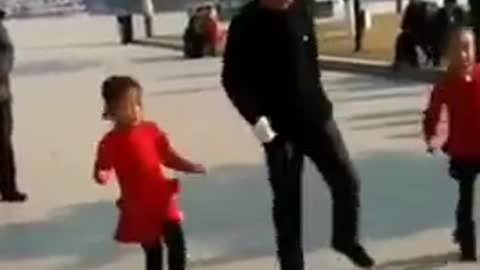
116,87
3,14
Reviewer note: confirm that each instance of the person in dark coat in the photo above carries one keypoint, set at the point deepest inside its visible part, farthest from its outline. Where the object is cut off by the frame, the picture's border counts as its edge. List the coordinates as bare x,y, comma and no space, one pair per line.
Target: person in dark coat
125,26
272,77
417,33
8,187
446,20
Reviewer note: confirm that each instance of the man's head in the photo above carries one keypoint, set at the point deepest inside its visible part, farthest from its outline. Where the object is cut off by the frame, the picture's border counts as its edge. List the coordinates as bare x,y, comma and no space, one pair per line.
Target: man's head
450,2
277,4
3,14
3,10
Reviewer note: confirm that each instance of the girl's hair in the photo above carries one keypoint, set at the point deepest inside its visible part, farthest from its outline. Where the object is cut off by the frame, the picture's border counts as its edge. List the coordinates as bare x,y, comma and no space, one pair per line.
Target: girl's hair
458,32
115,88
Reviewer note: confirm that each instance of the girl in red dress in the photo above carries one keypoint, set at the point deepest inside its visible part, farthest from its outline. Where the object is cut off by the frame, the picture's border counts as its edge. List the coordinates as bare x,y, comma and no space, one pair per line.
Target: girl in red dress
458,91
135,150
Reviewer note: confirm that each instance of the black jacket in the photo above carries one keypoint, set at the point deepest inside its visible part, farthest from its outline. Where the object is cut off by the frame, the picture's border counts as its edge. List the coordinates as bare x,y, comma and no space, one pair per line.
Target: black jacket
271,68
6,63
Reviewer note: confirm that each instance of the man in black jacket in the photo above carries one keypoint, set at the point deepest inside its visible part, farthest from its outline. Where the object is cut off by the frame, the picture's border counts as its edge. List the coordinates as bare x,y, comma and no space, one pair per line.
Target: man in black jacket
271,75
8,187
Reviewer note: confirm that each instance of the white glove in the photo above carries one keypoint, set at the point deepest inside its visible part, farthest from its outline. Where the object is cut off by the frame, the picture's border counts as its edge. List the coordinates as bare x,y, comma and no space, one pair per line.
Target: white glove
263,130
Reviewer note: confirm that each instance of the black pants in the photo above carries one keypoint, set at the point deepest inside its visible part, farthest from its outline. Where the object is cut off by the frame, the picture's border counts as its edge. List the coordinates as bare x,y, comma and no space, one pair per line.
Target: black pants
465,172
174,240
405,51
125,25
7,159
285,162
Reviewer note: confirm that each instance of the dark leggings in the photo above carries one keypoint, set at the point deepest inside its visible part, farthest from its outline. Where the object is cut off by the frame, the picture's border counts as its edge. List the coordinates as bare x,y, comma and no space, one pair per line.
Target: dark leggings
465,171
465,230
7,159
175,242
465,202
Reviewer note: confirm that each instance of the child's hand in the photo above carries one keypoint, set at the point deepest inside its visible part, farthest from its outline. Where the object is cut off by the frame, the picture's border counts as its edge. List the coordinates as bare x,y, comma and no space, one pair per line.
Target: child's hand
199,169
102,177
431,148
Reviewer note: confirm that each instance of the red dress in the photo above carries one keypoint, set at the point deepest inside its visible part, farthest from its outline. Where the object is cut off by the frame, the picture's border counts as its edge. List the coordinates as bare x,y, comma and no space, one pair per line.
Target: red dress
216,33
147,197
461,98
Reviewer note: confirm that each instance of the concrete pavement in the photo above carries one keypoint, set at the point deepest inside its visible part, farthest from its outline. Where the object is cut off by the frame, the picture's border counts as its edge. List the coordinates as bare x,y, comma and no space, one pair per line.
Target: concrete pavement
408,200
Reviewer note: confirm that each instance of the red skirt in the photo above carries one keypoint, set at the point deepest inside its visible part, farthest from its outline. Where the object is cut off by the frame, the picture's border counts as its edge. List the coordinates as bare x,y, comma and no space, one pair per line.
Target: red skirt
142,223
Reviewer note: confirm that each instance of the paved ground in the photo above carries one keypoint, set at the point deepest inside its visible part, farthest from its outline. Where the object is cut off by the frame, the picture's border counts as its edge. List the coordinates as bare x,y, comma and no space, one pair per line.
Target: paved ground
67,225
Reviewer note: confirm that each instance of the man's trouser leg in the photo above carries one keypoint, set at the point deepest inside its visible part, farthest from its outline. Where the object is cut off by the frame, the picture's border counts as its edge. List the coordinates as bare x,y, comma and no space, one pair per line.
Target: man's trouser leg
285,165
7,159
327,150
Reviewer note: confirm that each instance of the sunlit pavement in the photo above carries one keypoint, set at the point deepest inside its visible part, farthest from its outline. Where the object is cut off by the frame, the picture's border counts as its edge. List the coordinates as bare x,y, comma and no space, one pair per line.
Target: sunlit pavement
408,200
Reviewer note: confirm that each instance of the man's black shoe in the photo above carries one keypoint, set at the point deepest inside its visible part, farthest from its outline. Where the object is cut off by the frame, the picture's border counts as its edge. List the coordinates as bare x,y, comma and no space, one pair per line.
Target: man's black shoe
456,237
14,197
468,250
468,258
357,254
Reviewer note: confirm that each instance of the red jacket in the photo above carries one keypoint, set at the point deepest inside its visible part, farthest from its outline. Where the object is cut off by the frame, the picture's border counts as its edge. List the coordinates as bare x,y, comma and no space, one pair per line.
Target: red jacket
460,97
147,196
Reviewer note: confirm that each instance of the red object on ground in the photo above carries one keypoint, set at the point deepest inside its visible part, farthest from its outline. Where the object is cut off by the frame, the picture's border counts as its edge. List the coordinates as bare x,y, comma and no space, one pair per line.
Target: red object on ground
148,197
461,98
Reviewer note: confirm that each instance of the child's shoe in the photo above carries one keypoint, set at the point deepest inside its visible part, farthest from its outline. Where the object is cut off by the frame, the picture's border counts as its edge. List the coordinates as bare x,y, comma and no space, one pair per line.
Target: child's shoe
465,236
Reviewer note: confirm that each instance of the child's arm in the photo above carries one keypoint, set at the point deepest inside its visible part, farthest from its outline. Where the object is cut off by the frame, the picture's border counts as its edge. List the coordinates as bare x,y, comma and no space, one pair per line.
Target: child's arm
432,115
103,168
175,161
172,159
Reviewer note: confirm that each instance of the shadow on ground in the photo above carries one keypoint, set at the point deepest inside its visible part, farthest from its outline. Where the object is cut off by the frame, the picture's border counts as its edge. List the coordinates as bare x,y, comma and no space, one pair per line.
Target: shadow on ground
53,66
425,262
355,83
82,232
86,45
157,59
228,213
231,210
183,91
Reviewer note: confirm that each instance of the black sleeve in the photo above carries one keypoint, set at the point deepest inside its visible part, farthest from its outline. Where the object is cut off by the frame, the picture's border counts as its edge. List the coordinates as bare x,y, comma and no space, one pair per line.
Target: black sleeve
237,72
313,44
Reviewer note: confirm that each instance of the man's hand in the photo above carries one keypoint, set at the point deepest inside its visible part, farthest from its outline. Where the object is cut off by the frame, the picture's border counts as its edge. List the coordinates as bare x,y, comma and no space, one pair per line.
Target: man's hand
263,130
